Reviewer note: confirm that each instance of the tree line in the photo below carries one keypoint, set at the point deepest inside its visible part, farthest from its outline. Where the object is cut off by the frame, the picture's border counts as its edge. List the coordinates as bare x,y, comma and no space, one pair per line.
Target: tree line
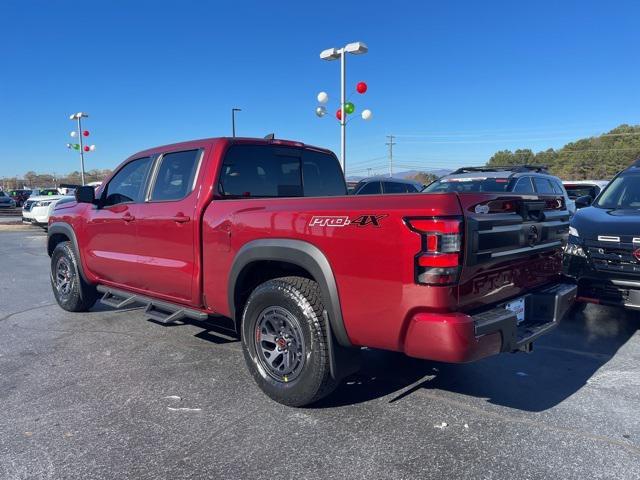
591,158
32,179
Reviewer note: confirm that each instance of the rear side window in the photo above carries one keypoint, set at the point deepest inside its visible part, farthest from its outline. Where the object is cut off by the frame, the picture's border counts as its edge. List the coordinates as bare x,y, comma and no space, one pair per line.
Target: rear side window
276,171
261,171
397,187
371,188
523,185
322,175
176,173
128,184
543,185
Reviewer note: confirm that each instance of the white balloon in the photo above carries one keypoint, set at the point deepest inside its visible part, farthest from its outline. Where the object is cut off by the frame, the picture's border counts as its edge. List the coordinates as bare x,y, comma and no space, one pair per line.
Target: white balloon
366,114
74,133
92,148
323,97
321,111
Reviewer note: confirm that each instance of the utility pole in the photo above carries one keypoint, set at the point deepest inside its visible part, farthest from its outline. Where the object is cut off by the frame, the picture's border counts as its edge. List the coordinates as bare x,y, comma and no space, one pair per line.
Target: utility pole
369,172
391,143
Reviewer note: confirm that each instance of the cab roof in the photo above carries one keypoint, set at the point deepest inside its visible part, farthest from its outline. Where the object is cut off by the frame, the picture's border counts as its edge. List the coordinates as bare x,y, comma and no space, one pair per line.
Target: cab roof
191,144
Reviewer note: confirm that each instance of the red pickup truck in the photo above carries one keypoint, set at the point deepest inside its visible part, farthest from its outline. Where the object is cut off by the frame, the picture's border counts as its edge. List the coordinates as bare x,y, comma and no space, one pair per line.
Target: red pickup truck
262,231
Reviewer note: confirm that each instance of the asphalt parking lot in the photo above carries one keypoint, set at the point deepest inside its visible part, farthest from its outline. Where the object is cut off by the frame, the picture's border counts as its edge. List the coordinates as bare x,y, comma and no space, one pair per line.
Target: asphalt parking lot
109,394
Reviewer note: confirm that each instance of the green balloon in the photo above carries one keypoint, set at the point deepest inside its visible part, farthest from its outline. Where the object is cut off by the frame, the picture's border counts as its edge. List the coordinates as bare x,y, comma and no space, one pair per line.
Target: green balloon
76,146
349,108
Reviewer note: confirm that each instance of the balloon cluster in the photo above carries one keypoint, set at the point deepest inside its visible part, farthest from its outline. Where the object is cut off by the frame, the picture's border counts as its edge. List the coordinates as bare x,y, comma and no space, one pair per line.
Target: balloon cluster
76,146
349,107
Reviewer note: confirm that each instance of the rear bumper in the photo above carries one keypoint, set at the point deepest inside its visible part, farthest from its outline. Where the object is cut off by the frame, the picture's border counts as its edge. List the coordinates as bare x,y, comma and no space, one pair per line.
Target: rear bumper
460,338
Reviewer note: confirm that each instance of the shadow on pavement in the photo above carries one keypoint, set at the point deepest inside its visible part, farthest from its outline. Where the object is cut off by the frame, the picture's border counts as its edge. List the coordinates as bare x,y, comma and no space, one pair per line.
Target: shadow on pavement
562,362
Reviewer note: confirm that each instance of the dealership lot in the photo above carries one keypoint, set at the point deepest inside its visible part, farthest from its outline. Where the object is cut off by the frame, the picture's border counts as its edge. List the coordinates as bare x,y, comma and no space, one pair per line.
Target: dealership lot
110,394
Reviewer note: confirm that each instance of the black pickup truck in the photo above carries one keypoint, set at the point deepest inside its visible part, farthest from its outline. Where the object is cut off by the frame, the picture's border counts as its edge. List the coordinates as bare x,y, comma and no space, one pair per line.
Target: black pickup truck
603,250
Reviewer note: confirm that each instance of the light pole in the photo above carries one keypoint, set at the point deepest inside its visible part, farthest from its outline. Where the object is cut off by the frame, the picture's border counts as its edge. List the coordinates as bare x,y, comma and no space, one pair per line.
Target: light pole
78,118
355,48
233,120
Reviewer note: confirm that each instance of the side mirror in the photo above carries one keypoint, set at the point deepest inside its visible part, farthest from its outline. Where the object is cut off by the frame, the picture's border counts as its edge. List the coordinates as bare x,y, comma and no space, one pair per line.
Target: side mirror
583,201
85,195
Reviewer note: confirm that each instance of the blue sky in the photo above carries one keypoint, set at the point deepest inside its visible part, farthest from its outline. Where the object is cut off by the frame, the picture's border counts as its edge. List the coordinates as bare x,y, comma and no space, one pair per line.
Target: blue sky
455,81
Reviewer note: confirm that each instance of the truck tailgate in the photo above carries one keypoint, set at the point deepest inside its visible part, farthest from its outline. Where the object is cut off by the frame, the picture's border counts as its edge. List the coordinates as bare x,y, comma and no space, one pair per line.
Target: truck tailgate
511,245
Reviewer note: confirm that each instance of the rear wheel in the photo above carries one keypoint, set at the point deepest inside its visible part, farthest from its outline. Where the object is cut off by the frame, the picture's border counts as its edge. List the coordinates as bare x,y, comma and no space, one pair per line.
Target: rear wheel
71,291
285,341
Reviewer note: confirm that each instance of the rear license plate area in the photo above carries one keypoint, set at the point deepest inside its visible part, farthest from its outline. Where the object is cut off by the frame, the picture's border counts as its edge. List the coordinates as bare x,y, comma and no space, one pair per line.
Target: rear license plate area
517,306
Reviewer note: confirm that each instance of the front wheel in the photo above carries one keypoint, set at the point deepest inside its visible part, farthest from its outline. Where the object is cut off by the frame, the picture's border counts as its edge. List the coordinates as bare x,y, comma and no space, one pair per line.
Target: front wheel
285,341
71,291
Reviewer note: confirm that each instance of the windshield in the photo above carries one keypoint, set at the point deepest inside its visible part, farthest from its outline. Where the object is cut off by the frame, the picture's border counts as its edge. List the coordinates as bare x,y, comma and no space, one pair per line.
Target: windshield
468,184
622,193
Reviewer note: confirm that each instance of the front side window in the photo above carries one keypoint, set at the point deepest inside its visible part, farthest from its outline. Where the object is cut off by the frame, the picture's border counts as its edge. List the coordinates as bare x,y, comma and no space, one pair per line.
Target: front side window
128,184
175,176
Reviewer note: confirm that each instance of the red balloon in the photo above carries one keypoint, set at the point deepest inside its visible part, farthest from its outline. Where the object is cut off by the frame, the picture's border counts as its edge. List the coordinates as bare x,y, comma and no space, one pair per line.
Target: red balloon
339,114
85,133
86,148
361,87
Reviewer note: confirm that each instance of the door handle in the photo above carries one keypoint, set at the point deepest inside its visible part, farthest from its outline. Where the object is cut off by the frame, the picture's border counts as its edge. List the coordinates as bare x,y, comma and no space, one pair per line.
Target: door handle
127,217
180,218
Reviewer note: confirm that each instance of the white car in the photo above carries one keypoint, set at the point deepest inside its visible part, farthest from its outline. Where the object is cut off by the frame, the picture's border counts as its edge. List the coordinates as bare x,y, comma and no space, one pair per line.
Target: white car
36,210
580,188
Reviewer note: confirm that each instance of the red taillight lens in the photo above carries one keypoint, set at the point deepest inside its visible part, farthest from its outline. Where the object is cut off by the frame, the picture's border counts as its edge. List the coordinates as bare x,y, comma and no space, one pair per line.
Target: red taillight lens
438,262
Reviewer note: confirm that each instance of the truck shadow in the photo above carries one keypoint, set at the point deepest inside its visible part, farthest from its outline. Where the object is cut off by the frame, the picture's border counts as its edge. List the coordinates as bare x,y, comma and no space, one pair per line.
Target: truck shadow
561,364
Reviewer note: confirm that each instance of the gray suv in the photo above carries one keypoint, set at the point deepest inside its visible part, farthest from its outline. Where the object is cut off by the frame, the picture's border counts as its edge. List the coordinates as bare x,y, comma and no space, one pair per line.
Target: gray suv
521,179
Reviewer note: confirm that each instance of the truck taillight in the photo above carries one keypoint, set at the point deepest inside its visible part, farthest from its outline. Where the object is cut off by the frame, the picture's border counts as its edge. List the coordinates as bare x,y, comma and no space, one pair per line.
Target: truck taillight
438,262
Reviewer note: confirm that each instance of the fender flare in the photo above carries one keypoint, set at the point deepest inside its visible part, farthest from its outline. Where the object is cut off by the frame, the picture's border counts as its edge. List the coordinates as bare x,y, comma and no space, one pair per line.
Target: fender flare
304,255
66,230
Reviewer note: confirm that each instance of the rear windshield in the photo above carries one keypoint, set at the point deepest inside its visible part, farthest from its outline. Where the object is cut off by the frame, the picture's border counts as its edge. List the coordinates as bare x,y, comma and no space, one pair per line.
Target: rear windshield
469,184
622,193
575,191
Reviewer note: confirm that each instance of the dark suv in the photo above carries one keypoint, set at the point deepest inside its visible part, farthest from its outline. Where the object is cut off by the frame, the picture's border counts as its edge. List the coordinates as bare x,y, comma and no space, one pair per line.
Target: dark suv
603,250
520,179
378,185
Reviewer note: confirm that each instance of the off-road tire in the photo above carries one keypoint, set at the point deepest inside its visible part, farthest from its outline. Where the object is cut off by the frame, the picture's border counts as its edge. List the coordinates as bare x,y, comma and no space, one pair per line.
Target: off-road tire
81,296
301,297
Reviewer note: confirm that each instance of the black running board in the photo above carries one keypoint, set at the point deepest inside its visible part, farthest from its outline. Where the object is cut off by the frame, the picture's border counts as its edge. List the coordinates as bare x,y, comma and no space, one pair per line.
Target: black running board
157,310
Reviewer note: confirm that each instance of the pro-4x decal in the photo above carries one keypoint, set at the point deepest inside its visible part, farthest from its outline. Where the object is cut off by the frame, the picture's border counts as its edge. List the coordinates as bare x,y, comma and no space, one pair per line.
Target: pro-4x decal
343,220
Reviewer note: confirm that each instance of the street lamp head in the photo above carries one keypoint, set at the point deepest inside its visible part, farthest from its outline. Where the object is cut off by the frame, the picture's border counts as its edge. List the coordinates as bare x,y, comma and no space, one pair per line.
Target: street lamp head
78,115
356,48
330,54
